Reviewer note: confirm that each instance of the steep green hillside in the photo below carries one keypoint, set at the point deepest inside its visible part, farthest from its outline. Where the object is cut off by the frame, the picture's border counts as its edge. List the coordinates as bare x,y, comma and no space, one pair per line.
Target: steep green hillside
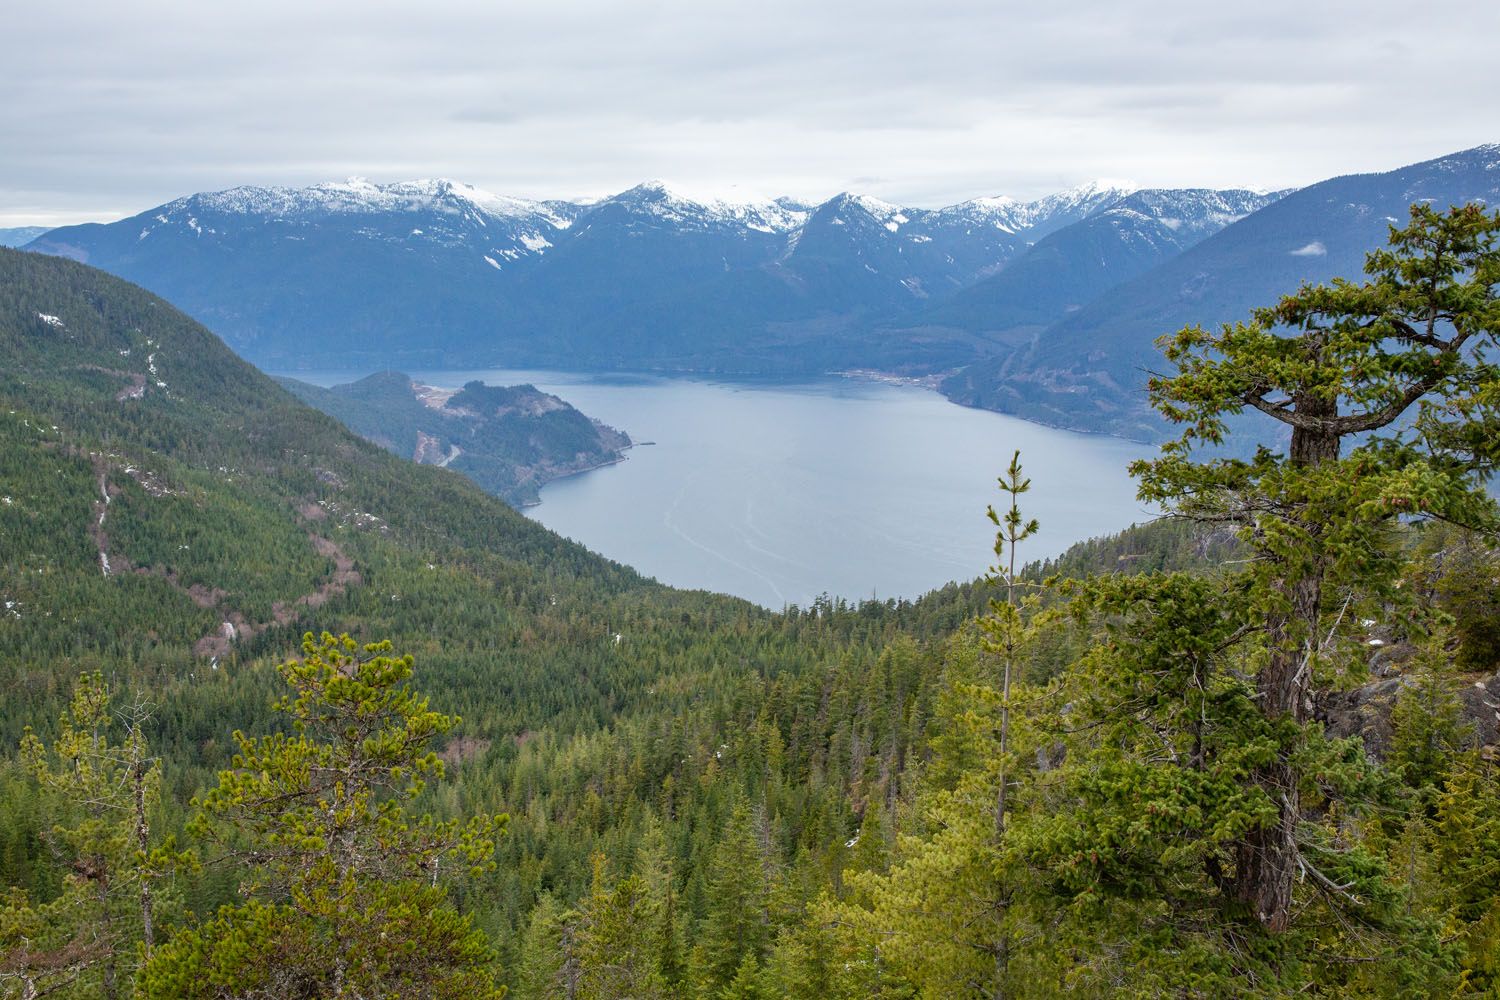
175,519
157,487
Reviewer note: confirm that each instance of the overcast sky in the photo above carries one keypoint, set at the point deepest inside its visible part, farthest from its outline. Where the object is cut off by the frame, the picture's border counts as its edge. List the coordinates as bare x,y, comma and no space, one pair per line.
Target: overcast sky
109,108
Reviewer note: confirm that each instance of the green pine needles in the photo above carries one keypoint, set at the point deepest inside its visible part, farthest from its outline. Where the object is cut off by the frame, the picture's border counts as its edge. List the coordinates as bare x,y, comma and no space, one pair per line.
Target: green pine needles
345,885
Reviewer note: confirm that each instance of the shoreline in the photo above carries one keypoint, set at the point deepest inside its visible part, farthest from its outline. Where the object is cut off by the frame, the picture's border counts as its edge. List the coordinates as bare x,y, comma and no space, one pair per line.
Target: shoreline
619,457
930,382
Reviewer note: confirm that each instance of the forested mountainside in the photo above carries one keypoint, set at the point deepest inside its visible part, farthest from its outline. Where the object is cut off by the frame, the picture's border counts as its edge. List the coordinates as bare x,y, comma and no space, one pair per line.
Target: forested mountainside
704,799
438,274
176,520
510,440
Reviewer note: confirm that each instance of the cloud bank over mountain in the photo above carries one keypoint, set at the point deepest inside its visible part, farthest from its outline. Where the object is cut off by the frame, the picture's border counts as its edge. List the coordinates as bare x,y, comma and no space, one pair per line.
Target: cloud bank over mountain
110,107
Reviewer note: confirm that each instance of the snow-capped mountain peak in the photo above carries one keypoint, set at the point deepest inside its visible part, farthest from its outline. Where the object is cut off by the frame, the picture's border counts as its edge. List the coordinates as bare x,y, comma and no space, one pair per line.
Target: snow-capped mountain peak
1099,187
1081,200
880,209
999,212
674,204
846,205
435,212
357,196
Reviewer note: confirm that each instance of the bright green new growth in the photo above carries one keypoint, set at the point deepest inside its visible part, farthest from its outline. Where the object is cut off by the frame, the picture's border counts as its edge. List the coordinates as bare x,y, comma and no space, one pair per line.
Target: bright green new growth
1006,623
102,794
323,805
347,890
941,918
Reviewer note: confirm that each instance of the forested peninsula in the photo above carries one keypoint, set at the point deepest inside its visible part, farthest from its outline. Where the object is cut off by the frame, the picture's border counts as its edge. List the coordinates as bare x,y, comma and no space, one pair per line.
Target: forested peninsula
511,440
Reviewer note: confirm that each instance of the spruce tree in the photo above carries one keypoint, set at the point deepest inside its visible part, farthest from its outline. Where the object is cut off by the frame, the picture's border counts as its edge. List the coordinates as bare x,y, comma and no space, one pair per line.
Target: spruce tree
737,924
539,974
617,953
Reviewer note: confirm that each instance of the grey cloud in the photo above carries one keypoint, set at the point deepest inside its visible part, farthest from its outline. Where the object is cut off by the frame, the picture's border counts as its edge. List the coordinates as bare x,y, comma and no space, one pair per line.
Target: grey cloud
112,108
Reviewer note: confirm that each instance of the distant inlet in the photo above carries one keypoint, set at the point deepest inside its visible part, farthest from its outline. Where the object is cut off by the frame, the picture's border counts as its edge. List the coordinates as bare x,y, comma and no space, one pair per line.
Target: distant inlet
781,491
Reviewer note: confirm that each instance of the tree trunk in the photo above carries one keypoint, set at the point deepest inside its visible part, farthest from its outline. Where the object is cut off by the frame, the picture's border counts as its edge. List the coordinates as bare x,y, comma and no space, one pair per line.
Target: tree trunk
1312,447
1266,860
1002,946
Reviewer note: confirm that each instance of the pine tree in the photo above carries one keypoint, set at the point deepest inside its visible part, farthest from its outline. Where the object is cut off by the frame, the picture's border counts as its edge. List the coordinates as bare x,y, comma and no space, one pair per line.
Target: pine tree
1009,633
939,918
103,794
347,884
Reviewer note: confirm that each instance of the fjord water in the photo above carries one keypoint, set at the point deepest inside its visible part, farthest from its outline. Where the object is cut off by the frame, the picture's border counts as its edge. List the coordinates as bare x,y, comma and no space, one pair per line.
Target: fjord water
780,492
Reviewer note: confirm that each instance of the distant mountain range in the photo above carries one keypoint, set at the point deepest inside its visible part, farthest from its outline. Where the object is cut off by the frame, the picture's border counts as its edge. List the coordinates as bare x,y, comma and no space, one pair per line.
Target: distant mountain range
1048,309
1087,370
430,273
1070,267
20,236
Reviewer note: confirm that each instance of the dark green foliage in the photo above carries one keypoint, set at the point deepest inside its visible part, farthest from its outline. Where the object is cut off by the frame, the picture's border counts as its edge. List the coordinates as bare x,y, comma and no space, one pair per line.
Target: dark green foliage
736,927
1336,362
1467,587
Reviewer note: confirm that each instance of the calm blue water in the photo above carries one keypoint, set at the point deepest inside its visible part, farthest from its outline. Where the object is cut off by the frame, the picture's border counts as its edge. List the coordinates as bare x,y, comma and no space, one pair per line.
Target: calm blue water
779,493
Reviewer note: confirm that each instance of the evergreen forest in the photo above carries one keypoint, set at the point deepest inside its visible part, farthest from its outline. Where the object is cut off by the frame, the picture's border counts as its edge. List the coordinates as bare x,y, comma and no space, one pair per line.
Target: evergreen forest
285,715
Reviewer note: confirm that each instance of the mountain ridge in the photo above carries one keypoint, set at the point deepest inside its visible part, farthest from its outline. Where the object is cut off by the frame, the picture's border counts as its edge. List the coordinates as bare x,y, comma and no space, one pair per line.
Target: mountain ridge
1087,370
435,272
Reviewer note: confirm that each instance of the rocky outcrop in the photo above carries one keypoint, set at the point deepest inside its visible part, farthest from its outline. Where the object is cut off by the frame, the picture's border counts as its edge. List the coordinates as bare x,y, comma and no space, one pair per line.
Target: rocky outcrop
1365,711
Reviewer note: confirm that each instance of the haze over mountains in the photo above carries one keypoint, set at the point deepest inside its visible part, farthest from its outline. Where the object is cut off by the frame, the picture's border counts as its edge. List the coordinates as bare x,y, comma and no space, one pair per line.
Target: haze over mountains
1047,309
20,235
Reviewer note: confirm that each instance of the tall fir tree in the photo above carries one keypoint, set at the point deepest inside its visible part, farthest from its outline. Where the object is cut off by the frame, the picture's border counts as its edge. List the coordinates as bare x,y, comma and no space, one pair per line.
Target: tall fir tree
737,923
